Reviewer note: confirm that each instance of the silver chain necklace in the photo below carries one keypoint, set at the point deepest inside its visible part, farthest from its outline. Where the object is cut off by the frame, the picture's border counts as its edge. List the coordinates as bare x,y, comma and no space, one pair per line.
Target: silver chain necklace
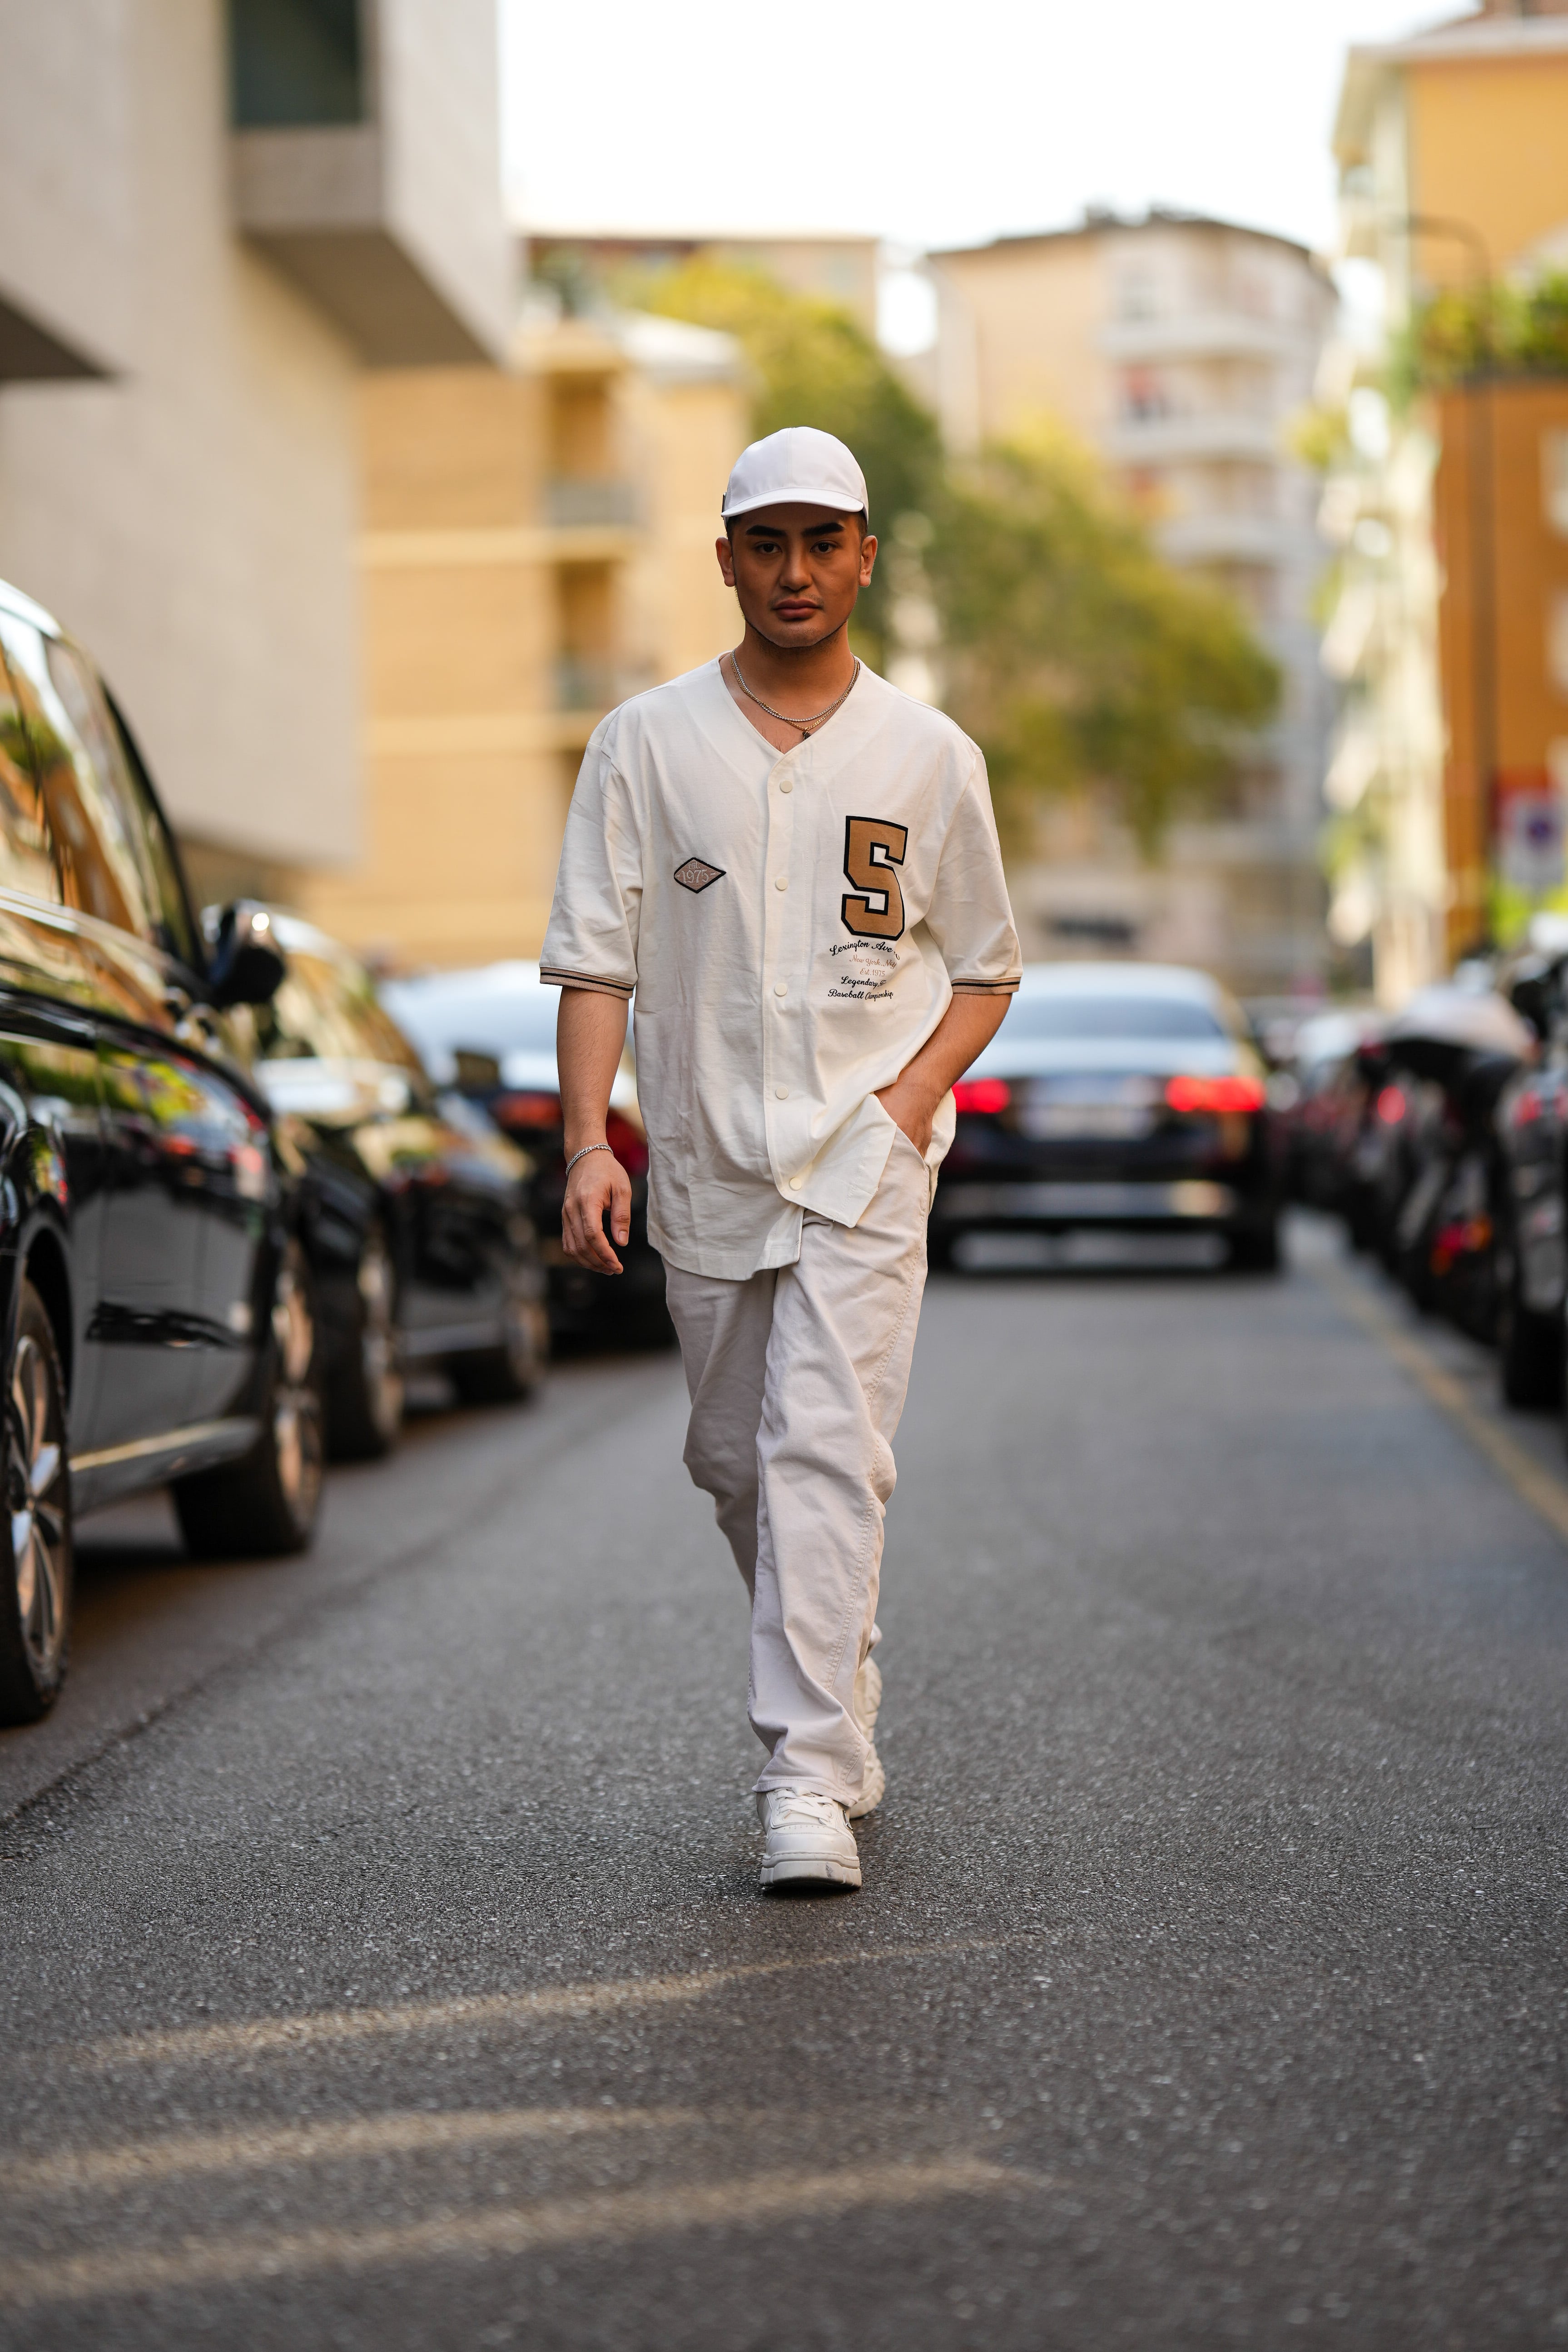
783,716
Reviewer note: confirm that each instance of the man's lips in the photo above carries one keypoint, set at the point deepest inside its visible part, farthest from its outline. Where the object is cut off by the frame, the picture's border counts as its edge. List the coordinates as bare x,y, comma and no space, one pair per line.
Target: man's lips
795,608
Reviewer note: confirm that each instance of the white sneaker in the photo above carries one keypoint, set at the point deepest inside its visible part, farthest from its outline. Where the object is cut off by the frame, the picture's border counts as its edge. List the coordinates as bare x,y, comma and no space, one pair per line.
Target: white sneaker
868,1706
807,1838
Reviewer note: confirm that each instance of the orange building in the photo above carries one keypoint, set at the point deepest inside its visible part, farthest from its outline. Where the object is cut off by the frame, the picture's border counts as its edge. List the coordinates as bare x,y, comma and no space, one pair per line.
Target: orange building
1452,155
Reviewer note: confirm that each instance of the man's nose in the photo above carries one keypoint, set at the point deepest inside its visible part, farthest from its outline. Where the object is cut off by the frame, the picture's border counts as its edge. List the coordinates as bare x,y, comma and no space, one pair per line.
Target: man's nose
796,572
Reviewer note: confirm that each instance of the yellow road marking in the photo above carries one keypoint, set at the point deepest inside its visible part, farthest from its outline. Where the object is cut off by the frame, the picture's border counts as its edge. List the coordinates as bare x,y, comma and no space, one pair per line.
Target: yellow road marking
1545,1495
617,2216
315,2029
135,2162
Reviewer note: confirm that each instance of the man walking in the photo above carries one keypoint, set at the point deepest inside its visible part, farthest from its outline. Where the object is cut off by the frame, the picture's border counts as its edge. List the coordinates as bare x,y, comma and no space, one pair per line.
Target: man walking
796,869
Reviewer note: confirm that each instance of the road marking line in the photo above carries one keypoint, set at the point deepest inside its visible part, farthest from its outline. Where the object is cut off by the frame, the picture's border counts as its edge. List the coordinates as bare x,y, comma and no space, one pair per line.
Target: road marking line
1545,1495
135,2162
617,2216
315,2028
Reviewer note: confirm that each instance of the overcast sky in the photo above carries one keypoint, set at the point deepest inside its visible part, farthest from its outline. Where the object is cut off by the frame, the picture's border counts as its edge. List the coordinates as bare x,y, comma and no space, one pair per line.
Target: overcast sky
931,124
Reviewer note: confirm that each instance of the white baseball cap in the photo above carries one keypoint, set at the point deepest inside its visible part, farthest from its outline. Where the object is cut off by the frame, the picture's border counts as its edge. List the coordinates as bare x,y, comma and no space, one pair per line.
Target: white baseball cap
799,467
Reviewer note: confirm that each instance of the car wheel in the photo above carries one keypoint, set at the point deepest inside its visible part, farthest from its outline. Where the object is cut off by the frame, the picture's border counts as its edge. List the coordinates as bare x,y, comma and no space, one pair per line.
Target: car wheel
503,1375
35,1602
1255,1249
264,1505
365,1391
1530,1346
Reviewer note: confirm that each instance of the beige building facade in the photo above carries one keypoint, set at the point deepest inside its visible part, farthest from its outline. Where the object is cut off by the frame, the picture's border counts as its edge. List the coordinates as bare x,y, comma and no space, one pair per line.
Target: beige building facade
1179,348
538,545
213,221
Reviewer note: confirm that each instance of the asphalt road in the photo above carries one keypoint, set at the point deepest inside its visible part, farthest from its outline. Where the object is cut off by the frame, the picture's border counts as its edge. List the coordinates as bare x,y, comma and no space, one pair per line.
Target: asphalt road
382,1964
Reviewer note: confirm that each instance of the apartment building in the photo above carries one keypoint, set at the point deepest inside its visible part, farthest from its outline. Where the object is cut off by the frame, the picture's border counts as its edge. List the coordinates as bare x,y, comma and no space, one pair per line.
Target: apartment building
538,545
842,269
1450,510
1179,348
215,223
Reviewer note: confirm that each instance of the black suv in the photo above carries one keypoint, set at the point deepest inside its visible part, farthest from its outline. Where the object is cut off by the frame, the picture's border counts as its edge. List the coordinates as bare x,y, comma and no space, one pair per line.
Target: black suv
156,1320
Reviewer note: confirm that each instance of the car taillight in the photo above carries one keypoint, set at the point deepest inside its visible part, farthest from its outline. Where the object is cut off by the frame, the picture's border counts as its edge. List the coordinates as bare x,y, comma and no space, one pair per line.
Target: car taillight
516,1109
627,1142
981,1093
1391,1106
1220,1097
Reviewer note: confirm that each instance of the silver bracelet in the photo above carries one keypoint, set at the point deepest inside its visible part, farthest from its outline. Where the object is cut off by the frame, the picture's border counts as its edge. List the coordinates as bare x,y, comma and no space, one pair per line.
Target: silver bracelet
583,1154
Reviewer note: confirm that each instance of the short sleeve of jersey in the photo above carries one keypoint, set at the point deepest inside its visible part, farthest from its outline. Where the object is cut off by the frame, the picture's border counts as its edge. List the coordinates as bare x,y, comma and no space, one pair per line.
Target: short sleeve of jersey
968,916
592,939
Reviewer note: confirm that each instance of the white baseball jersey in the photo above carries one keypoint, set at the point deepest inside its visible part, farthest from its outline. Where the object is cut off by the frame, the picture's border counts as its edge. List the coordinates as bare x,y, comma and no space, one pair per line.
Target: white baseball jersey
795,925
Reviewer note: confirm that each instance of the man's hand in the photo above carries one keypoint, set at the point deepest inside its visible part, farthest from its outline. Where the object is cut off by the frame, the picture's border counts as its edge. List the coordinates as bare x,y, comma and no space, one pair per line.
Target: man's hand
590,1038
597,1182
911,1102
911,1105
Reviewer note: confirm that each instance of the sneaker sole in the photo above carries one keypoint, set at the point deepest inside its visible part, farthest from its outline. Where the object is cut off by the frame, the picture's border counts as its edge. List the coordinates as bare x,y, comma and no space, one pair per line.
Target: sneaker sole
822,1868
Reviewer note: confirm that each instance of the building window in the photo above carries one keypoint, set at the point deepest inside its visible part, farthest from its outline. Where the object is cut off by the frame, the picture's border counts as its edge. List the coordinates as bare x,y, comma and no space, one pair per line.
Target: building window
1554,481
1143,395
294,62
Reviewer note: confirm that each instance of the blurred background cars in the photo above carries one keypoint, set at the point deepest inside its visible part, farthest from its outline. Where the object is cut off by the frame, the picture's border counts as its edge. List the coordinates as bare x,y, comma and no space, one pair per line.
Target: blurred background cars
157,1318
1121,1097
491,1033
414,1208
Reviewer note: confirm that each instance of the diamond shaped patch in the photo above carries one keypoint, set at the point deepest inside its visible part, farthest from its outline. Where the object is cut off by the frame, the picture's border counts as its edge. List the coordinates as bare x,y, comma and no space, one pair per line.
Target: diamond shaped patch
697,874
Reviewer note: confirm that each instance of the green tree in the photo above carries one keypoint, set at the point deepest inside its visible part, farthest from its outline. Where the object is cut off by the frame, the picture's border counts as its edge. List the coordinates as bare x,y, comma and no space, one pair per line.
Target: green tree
1077,659
813,363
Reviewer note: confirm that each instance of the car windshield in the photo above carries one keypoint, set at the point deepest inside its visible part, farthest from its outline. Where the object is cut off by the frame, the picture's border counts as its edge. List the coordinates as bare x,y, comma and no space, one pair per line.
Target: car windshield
1045,1017
486,1019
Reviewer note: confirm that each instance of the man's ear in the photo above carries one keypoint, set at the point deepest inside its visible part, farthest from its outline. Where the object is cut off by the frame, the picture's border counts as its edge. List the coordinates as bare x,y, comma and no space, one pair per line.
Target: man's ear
867,558
726,554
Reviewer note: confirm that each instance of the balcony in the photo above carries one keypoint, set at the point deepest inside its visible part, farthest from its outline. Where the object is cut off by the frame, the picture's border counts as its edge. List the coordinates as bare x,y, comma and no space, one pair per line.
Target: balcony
1202,334
363,161
587,684
1218,432
574,503
1222,538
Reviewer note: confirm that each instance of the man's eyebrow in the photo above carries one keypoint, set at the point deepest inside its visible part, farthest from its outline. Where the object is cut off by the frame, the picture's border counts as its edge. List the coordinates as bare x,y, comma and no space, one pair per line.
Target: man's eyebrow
776,530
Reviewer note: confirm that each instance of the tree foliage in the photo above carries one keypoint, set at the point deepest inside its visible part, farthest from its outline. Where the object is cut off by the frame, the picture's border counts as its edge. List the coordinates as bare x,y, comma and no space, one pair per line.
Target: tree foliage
1466,332
1079,659
1076,659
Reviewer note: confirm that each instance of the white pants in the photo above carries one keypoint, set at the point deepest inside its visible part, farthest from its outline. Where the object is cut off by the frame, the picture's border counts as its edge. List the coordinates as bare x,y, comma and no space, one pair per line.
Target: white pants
797,1377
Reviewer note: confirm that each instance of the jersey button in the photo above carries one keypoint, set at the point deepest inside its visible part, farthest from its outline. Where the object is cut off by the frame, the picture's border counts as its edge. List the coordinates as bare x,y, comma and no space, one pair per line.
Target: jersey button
781,881
781,1094
786,783
796,1183
781,988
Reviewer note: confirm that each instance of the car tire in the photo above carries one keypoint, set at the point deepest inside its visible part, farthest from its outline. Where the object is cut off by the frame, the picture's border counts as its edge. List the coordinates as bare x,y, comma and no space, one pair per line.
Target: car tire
35,1600
1530,1346
366,1386
264,1505
507,1374
1255,1249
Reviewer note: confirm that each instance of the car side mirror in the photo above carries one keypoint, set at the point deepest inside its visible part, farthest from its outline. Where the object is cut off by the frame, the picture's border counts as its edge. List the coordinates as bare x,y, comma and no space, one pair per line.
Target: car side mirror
474,1073
246,966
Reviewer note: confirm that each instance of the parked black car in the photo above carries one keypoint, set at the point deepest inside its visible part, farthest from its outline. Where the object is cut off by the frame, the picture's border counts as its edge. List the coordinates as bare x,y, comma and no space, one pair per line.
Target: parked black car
413,1205
1531,1198
1124,1096
492,1033
156,1309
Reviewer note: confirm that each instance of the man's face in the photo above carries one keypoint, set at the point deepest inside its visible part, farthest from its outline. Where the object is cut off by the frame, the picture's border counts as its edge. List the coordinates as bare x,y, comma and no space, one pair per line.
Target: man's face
796,571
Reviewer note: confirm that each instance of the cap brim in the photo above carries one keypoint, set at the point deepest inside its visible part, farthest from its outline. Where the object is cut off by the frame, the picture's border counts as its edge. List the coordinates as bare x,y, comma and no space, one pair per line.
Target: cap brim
798,496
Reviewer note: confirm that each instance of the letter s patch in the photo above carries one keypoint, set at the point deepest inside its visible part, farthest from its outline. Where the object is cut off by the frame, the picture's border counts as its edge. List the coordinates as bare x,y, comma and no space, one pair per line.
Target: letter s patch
874,908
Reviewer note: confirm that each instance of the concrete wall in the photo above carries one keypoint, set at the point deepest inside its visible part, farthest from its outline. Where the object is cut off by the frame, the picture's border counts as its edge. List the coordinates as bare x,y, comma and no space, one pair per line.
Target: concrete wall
192,517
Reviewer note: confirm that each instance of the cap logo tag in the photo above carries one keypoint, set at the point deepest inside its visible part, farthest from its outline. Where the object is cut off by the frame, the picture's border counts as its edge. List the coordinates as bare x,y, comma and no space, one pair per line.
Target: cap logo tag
697,874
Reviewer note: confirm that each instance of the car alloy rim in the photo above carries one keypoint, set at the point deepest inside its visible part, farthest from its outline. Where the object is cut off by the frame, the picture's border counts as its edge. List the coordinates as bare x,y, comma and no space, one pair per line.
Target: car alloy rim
296,1408
35,1475
378,1337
